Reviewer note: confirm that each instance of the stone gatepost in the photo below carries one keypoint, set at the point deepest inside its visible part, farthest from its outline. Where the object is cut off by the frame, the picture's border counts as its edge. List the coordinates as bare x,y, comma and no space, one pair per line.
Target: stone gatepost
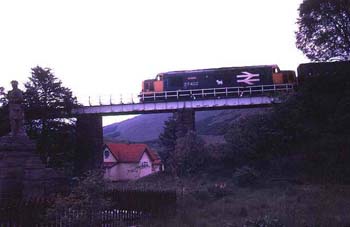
22,172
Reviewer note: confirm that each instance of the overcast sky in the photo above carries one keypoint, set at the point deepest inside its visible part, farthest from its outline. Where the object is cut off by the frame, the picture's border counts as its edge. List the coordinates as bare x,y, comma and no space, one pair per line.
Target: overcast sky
105,47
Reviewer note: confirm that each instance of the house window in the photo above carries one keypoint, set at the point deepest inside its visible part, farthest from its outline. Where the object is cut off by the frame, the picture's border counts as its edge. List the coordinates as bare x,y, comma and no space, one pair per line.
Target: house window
144,164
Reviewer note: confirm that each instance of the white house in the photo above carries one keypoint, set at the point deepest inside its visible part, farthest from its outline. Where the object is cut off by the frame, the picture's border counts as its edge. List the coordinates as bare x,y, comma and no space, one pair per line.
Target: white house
129,161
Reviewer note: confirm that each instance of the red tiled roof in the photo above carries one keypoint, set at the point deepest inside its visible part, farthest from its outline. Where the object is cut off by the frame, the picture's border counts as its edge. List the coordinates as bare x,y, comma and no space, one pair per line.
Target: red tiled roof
129,153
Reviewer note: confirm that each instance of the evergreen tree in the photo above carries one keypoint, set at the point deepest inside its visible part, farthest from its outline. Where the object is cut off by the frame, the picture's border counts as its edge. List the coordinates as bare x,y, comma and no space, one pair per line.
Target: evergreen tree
46,100
46,97
168,141
190,154
183,152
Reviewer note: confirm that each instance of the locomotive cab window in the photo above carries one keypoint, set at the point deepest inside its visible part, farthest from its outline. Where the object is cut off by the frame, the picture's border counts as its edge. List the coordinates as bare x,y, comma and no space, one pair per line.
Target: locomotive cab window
275,70
146,86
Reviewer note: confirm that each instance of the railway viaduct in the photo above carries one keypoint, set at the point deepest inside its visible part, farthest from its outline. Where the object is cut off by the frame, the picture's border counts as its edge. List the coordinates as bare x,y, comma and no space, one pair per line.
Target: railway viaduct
89,118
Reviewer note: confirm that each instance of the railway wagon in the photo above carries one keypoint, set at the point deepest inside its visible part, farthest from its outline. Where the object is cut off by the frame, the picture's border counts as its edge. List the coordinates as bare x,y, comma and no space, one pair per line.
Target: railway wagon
314,69
206,83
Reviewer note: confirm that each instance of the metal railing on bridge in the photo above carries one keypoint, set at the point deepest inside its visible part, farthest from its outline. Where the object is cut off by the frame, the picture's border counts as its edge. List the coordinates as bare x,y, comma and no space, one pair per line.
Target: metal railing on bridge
195,94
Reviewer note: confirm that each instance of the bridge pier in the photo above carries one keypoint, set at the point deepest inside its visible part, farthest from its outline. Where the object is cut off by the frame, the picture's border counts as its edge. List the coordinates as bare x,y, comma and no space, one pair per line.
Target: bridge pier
185,119
90,141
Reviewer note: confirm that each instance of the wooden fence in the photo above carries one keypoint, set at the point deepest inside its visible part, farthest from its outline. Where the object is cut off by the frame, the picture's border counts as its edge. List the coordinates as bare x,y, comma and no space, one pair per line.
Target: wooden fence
128,208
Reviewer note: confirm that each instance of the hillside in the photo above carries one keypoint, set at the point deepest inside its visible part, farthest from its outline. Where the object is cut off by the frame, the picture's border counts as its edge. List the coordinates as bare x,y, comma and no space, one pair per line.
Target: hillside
138,129
147,127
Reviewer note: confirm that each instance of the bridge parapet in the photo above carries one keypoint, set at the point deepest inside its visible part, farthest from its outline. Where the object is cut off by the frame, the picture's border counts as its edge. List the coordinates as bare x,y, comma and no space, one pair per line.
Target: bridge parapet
208,93
159,107
201,99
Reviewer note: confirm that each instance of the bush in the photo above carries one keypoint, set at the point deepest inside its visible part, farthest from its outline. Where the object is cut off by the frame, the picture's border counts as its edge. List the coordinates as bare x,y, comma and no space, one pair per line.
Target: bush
202,195
264,222
251,140
313,123
82,206
245,176
190,155
219,190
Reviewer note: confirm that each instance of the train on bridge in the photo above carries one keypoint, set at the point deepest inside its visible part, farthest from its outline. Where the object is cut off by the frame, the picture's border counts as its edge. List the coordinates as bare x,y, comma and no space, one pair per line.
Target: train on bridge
231,81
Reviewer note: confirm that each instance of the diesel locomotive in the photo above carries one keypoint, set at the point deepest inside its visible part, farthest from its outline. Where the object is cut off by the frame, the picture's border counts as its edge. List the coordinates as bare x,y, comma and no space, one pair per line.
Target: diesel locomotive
231,81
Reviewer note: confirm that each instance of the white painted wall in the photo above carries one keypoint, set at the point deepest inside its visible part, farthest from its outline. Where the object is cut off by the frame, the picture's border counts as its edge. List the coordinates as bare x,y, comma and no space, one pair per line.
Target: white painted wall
128,171
108,174
123,171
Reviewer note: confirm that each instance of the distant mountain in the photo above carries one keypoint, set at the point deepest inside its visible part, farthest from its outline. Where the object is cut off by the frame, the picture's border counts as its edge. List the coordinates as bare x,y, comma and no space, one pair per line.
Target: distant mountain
147,127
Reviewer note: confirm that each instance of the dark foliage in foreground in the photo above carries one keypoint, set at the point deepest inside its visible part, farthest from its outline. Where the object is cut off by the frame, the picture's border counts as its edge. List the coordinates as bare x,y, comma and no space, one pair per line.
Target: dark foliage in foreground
308,135
183,153
312,125
87,197
190,154
168,142
4,118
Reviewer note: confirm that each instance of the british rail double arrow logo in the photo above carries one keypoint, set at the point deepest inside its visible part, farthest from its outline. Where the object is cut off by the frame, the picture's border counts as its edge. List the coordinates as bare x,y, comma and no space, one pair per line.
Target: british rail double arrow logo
248,78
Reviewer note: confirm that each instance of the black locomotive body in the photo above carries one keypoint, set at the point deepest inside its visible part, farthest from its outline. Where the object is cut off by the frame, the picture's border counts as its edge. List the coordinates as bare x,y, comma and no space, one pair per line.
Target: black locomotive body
218,78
